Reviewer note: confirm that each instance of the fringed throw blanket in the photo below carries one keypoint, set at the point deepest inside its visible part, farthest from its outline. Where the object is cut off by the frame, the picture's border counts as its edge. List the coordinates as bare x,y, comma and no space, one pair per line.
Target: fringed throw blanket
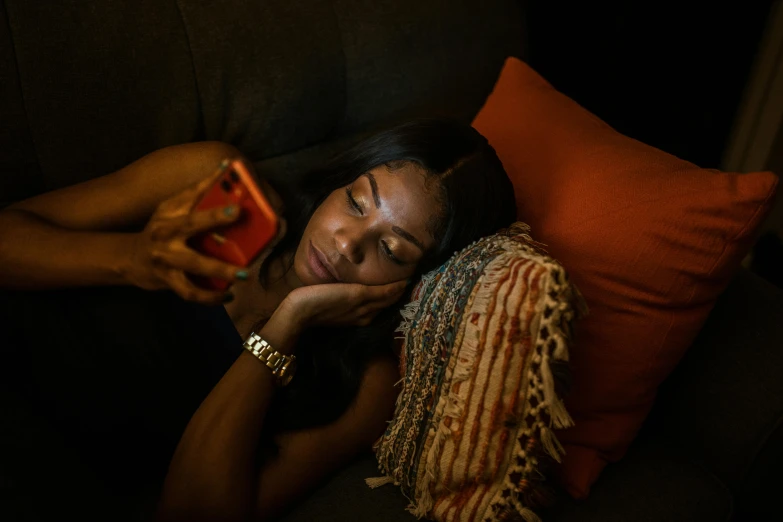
478,403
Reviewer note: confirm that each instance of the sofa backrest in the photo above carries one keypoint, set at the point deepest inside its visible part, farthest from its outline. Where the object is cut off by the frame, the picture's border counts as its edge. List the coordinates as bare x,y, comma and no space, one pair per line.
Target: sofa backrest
91,86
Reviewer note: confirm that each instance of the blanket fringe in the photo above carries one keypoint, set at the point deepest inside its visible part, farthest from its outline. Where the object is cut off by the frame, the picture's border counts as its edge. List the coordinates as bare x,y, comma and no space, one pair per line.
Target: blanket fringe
528,515
376,482
551,445
557,410
410,310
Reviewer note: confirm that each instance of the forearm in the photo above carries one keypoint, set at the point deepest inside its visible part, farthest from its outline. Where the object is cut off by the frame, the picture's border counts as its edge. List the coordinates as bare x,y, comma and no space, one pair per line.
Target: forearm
35,254
212,475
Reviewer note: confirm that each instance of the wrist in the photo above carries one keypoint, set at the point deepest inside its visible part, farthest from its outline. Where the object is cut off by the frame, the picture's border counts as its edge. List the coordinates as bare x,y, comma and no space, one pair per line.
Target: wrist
294,312
283,328
122,261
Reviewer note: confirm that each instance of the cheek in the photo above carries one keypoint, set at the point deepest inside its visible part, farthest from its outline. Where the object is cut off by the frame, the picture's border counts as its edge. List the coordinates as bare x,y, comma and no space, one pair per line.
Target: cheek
380,272
326,217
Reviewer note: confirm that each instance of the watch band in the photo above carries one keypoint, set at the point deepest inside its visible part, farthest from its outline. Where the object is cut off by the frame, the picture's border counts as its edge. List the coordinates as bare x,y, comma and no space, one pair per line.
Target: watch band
282,366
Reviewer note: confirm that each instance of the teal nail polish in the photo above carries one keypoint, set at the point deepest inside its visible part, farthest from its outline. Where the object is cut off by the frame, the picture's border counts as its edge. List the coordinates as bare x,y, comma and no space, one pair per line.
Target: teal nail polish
242,274
229,211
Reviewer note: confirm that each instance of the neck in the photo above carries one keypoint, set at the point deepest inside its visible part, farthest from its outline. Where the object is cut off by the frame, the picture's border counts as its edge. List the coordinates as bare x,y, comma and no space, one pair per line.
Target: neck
253,303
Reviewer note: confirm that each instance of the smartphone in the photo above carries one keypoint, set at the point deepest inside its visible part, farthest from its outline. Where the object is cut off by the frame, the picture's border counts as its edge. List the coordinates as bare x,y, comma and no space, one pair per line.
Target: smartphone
240,242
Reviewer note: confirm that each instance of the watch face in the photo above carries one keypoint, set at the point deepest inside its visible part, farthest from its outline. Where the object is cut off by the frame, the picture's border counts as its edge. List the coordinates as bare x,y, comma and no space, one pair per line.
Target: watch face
287,372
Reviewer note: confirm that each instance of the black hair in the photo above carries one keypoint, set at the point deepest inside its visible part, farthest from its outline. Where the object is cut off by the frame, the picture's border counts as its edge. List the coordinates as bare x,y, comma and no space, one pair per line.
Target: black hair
476,199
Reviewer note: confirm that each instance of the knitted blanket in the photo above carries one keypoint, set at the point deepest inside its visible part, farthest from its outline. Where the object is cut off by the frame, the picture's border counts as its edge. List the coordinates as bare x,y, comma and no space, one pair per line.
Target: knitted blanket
478,403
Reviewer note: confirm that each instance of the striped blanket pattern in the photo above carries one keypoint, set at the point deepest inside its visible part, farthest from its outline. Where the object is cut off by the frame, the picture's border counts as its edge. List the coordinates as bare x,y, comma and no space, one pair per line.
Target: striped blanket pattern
478,404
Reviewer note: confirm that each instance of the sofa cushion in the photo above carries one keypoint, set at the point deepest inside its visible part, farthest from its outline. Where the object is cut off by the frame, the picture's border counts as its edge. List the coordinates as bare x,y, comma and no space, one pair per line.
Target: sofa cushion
723,404
103,84
407,59
99,86
650,484
270,75
21,176
651,241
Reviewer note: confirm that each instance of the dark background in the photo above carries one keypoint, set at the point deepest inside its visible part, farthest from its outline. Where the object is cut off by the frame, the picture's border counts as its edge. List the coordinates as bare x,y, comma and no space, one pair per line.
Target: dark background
670,76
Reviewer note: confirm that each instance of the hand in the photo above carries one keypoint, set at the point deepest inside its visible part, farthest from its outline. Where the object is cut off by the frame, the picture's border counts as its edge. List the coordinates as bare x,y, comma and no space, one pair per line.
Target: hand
160,256
341,304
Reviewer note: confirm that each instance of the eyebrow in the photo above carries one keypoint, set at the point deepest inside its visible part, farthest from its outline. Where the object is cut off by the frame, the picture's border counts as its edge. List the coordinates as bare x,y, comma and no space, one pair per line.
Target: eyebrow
406,235
374,187
397,230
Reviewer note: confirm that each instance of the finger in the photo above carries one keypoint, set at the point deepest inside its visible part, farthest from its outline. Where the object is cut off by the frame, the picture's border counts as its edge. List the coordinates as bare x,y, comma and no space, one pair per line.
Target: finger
188,198
204,220
185,259
372,294
382,298
201,188
188,291
385,295
183,202
368,315
161,229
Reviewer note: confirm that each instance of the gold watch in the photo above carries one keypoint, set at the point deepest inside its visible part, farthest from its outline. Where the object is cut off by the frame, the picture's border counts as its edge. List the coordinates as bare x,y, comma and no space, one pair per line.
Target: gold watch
283,366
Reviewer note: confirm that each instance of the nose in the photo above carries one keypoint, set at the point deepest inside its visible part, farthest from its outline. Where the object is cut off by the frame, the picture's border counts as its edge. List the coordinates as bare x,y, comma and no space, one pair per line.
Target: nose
349,245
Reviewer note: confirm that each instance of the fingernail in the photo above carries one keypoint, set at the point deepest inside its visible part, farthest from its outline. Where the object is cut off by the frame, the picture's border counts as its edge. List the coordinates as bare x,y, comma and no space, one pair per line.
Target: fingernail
229,211
224,163
242,274
228,297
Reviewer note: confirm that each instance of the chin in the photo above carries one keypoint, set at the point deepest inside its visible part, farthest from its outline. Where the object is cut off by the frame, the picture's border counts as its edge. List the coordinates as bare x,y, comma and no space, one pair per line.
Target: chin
301,271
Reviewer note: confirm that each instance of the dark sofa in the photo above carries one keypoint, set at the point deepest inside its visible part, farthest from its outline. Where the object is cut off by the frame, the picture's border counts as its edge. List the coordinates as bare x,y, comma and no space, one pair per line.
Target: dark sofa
88,87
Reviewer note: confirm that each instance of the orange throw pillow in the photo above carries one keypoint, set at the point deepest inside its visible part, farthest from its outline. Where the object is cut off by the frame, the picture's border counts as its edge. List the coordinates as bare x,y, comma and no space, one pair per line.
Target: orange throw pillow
650,240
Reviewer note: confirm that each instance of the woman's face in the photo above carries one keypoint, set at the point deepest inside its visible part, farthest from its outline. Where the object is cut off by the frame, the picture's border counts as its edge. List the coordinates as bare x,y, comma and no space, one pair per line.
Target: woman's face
374,231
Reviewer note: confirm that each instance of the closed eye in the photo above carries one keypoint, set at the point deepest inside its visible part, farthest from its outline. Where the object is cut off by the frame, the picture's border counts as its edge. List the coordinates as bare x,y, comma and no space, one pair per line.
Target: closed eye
352,202
389,254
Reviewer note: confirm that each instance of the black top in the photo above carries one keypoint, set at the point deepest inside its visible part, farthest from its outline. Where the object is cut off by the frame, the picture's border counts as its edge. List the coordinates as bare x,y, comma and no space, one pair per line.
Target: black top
118,371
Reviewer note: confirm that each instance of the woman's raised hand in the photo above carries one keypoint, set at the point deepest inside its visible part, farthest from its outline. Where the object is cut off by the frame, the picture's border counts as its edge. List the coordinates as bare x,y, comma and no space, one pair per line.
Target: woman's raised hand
160,256
340,304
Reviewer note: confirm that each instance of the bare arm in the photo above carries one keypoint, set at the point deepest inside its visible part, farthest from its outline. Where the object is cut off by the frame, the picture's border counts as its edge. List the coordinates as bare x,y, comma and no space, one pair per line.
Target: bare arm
212,476
307,457
68,237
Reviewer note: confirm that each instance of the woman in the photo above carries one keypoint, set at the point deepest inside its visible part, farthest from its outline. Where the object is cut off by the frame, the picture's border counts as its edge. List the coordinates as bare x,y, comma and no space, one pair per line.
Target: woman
359,231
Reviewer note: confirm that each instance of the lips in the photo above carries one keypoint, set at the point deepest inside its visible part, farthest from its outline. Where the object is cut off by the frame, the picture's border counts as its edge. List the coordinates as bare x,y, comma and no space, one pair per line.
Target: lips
320,266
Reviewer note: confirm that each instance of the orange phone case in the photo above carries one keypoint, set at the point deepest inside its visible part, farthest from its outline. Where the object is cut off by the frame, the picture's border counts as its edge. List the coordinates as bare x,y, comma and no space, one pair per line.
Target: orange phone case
243,240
